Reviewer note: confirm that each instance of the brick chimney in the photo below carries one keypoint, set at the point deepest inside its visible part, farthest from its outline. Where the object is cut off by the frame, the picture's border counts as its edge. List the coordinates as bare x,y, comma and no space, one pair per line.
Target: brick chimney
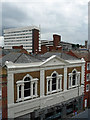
56,40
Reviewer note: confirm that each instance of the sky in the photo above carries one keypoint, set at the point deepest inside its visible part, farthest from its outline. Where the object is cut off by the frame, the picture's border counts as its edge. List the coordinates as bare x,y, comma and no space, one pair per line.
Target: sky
68,18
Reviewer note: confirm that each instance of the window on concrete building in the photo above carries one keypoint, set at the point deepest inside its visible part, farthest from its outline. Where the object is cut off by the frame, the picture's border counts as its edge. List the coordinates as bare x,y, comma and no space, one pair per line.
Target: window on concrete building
54,82
26,88
74,79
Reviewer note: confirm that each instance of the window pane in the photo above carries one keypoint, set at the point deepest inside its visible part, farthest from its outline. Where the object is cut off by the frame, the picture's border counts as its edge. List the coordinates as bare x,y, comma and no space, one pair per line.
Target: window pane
20,91
88,77
27,79
34,89
69,81
27,93
49,85
59,83
54,82
74,78
27,87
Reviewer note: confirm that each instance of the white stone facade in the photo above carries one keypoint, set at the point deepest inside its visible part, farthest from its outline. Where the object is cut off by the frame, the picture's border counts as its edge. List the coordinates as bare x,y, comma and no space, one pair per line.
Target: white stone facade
22,108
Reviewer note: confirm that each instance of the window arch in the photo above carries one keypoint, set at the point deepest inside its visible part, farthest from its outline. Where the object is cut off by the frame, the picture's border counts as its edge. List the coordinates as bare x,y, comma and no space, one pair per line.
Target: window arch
74,78
54,82
26,88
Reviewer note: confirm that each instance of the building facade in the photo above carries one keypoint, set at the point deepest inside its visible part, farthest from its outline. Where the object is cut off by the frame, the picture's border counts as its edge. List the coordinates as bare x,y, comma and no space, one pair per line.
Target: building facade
87,85
29,37
86,55
57,45
40,86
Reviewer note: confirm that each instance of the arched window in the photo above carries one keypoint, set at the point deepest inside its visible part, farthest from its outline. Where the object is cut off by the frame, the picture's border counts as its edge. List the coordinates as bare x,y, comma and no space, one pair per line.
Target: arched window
74,78
54,77
27,87
54,82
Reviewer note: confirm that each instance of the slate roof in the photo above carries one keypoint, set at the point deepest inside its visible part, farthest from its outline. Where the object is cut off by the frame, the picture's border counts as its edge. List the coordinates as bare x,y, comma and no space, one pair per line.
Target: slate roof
7,51
59,54
18,58
80,54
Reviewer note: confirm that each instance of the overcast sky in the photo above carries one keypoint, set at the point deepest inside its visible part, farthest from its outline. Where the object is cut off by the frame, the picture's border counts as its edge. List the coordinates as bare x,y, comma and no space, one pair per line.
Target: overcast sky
68,18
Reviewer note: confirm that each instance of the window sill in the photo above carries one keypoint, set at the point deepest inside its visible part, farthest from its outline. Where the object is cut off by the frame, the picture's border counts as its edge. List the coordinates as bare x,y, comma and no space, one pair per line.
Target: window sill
74,86
88,80
87,90
55,91
27,98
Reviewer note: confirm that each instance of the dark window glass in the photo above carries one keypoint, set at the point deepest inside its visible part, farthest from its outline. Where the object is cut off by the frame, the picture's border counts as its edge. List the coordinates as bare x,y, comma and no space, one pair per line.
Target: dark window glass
34,89
27,87
74,78
59,83
20,91
54,81
49,85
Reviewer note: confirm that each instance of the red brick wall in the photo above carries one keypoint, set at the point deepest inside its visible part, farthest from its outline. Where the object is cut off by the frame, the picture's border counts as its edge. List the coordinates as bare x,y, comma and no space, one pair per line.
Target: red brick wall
4,96
43,49
35,41
86,94
18,47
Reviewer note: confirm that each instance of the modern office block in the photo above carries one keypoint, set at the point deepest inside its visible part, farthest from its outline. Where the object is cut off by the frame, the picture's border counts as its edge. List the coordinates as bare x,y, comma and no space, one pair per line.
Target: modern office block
29,37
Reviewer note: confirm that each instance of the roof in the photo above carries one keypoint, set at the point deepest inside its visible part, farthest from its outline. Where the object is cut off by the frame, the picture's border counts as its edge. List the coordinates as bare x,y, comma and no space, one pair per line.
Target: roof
59,54
18,58
54,60
20,28
80,54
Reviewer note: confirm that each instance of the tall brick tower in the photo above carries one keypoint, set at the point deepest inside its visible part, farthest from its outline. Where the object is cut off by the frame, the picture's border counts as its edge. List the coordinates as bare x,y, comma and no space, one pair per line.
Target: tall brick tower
35,40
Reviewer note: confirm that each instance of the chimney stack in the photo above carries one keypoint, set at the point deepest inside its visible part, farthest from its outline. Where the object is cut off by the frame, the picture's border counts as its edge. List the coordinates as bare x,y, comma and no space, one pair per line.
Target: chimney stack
56,40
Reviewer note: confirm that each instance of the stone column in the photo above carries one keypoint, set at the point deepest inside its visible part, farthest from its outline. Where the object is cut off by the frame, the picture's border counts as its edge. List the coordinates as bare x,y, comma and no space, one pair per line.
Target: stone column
10,88
57,83
17,91
31,89
42,82
22,91
65,78
50,85
10,93
61,83
47,85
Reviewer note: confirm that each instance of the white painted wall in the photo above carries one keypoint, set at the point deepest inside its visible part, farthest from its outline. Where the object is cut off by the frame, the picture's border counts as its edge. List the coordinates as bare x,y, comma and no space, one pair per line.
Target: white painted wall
25,107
